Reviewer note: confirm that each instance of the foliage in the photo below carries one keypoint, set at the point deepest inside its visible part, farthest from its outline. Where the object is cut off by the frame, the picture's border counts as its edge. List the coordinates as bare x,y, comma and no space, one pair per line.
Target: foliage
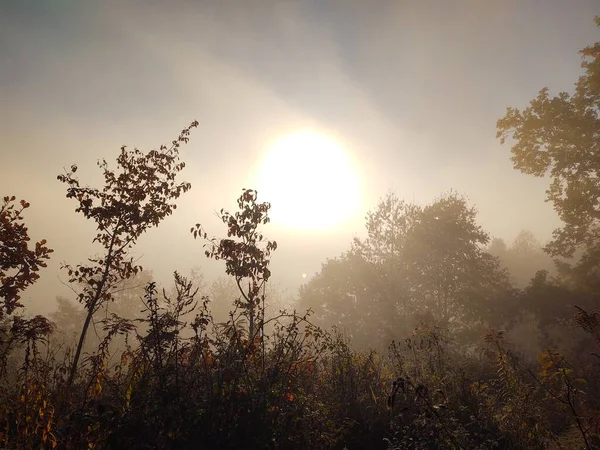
19,267
560,136
173,376
19,264
247,258
126,303
557,136
136,196
522,258
341,295
179,382
416,260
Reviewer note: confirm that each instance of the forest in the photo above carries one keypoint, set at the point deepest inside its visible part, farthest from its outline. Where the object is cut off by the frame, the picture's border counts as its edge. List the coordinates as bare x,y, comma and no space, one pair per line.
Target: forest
426,334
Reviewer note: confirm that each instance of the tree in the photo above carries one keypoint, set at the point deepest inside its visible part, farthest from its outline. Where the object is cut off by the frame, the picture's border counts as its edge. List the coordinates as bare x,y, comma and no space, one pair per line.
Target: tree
560,136
450,266
223,293
416,260
68,319
136,196
498,248
526,244
19,267
19,264
126,303
247,255
345,294
552,302
437,260
523,258
127,296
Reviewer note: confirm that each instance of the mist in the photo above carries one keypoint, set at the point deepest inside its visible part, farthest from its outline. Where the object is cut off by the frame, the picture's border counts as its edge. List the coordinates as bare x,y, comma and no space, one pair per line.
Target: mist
413,90
412,93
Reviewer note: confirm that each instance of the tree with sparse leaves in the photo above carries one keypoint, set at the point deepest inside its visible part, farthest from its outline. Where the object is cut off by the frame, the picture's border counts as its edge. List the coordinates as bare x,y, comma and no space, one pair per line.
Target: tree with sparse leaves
246,252
136,196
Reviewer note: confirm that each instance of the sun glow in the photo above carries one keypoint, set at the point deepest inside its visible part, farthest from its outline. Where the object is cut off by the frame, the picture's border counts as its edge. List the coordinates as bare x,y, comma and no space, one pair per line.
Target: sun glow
310,181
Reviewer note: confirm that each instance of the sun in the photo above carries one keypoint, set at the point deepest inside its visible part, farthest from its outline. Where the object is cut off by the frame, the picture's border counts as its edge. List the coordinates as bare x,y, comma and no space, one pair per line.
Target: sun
310,181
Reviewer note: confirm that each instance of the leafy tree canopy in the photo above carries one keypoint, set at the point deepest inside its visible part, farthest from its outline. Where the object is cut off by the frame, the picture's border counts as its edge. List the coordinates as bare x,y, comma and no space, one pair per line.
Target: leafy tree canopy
416,260
559,136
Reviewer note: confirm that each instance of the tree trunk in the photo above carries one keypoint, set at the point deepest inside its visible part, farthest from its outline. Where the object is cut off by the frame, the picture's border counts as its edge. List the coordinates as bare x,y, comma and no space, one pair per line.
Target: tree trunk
92,307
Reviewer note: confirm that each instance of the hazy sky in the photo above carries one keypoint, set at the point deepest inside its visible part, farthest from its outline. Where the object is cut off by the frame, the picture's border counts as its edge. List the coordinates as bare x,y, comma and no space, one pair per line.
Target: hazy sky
412,88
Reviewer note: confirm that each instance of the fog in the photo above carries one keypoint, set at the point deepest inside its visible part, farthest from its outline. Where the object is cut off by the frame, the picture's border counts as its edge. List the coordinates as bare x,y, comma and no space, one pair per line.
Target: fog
412,88
440,241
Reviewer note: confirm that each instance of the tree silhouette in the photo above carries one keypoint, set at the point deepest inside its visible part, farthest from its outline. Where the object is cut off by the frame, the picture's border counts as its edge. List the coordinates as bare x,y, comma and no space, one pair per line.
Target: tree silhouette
136,196
247,256
19,264
19,267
